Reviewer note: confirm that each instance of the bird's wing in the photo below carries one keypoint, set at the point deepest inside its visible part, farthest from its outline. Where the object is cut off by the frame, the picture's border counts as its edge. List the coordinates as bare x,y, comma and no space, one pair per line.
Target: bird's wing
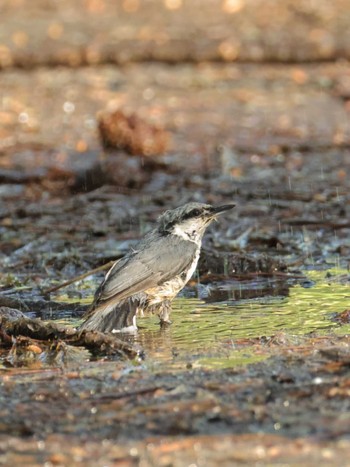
159,261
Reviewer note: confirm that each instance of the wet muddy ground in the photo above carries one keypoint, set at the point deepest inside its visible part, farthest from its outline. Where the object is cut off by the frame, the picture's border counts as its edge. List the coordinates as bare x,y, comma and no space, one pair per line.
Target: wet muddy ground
255,368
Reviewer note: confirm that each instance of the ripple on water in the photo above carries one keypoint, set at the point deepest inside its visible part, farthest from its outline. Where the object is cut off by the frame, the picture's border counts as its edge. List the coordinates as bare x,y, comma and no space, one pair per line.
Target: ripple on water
205,332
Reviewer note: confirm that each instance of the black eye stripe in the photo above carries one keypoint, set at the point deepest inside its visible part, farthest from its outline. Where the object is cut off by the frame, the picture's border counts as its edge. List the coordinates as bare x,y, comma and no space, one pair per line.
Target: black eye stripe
193,213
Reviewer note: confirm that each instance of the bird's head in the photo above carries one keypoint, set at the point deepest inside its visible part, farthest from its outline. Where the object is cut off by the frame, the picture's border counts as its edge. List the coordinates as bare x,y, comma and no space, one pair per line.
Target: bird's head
190,220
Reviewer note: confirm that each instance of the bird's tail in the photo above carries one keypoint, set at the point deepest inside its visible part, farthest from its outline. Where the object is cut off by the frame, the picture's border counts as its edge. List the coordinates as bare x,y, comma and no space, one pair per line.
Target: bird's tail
110,317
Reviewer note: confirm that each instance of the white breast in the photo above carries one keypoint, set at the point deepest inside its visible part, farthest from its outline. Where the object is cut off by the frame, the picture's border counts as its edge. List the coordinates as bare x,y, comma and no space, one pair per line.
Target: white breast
193,266
171,288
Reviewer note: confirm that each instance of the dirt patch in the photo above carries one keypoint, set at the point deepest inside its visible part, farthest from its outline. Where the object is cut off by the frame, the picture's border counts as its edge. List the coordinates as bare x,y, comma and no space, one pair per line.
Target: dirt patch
244,414
272,139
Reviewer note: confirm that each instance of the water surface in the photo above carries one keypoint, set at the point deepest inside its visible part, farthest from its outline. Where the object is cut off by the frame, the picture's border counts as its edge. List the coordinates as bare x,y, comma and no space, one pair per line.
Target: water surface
204,333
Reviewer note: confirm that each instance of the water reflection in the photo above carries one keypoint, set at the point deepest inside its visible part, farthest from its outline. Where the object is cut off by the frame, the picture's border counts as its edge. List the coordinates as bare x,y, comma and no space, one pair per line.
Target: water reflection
248,289
205,328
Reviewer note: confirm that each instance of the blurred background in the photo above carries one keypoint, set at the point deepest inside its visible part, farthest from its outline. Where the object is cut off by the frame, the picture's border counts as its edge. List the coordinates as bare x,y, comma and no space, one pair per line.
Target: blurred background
158,102
248,73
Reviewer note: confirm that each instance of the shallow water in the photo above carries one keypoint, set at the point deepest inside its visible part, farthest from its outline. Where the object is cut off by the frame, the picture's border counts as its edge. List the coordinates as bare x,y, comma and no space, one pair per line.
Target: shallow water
204,334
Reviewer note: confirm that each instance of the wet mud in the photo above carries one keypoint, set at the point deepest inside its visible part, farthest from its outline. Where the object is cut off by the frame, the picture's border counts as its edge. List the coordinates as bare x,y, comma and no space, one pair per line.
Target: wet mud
254,369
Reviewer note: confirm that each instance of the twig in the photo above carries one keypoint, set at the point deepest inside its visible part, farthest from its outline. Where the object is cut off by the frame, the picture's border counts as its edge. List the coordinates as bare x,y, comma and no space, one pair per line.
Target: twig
205,279
136,392
284,275
80,277
49,331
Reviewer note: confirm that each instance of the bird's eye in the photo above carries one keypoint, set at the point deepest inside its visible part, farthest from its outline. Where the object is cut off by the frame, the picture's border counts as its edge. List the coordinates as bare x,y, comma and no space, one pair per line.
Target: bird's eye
195,212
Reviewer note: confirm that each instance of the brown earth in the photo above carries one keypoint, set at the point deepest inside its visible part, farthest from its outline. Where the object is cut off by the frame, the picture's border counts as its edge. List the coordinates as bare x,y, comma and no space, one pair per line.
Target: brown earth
274,138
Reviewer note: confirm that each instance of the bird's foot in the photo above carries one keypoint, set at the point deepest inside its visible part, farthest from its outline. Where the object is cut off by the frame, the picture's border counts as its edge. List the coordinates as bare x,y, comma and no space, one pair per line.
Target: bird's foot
164,324
164,314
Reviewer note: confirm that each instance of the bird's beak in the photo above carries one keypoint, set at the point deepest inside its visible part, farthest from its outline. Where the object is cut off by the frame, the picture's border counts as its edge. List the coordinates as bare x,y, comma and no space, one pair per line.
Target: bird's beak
219,209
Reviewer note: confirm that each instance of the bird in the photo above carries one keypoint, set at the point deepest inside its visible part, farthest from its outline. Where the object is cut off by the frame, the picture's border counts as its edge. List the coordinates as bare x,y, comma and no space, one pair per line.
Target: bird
150,276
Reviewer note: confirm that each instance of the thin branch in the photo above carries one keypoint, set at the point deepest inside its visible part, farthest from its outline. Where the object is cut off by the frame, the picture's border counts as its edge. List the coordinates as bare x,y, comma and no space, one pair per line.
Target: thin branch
80,277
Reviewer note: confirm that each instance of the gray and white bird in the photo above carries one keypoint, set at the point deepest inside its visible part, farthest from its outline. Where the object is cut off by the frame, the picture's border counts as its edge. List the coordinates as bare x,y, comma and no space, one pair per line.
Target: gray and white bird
150,276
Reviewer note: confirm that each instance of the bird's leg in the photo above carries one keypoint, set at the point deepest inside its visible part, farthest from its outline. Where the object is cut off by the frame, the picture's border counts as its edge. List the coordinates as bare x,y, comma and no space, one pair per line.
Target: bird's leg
164,313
